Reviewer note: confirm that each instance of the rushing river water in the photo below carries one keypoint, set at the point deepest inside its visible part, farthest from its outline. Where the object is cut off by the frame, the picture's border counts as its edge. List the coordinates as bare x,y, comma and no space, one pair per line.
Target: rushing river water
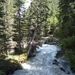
45,63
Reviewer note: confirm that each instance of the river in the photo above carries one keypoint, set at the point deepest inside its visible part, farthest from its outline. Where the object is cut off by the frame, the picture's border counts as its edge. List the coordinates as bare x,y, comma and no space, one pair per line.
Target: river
45,63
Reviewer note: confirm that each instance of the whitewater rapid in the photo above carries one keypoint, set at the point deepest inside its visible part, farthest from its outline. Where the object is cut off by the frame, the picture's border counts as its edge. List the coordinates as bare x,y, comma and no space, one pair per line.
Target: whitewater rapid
45,63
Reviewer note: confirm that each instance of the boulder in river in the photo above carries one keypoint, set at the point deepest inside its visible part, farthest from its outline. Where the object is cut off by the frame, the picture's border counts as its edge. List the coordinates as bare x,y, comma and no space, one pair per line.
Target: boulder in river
55,62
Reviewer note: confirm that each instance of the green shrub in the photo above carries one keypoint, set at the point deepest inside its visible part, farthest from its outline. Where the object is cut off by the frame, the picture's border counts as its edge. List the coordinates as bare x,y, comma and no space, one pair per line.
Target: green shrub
57,33
68,43
68,46
70,56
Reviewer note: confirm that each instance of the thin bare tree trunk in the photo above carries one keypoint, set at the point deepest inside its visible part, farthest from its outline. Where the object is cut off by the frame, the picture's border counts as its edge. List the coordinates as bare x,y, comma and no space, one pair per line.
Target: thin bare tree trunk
31,43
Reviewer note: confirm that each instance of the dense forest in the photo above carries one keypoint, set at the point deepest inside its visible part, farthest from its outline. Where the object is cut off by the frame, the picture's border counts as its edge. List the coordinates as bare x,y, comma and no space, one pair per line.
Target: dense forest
22,31
66,29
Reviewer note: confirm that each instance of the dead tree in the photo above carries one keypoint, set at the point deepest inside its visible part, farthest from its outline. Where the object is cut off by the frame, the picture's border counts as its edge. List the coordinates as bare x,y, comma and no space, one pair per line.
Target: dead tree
31,43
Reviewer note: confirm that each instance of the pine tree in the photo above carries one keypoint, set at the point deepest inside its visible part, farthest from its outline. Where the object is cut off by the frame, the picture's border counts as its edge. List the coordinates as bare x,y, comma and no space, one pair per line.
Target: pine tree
39,15
8,22
2,26
17,23
34,20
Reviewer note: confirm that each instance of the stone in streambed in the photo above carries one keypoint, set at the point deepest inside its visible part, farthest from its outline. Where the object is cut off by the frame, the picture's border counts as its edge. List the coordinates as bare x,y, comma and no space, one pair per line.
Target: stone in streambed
55,62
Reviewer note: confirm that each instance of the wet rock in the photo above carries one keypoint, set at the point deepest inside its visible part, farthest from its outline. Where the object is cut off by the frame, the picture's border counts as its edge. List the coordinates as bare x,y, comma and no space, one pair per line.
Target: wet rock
31,55
68,72
62,69
55,62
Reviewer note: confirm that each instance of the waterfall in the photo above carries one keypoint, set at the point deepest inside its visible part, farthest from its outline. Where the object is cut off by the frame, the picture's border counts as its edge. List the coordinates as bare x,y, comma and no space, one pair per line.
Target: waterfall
45,63
26,5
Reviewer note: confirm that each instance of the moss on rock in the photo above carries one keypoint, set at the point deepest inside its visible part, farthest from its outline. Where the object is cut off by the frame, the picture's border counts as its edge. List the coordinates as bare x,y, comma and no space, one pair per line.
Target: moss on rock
20,58
23,57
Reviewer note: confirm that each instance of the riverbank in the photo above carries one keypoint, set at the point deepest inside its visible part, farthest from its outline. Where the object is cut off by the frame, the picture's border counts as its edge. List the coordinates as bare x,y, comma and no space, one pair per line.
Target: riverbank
10,63
45,63
14,62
